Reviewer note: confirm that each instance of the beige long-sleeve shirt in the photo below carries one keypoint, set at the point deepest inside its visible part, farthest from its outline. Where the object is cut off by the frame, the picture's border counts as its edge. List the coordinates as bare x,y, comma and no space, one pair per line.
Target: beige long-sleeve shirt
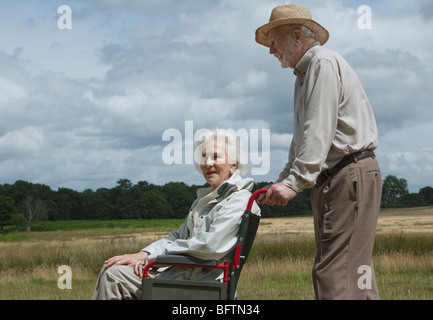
332,117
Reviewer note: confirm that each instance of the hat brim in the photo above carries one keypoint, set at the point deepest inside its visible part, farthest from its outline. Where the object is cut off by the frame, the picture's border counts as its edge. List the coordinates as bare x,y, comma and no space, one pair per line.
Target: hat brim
322,35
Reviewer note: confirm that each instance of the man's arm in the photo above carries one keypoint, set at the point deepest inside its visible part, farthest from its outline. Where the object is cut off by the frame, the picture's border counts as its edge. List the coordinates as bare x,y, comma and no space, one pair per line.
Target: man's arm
320,114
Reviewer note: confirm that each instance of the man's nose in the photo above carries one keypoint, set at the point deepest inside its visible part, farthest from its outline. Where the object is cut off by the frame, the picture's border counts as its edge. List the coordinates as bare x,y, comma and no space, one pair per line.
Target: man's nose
271,49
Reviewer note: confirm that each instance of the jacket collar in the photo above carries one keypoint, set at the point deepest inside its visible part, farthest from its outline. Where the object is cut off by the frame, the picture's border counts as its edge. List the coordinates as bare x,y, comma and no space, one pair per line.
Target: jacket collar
235,183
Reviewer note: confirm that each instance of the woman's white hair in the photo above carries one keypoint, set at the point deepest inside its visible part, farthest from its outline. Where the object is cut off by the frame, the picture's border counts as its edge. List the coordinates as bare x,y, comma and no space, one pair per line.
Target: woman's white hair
233,147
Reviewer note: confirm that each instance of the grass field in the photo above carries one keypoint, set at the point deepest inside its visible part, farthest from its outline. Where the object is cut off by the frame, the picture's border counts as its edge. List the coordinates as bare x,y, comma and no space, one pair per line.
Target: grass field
279,266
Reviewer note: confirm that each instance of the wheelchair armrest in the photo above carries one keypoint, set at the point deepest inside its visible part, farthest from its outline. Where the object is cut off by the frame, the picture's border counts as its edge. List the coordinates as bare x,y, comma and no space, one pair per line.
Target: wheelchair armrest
182,259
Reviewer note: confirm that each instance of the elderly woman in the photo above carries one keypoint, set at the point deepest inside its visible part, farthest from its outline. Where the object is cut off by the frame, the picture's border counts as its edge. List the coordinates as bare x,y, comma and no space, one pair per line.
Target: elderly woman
209,231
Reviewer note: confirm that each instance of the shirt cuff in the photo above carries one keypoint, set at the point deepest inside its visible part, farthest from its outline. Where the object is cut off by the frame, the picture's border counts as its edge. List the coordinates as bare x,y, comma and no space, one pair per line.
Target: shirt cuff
293,183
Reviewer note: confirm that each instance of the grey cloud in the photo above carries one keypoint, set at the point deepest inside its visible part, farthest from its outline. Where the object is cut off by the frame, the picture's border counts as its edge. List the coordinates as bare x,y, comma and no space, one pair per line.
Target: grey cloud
171,62
426,9
396,84
389,58
160,7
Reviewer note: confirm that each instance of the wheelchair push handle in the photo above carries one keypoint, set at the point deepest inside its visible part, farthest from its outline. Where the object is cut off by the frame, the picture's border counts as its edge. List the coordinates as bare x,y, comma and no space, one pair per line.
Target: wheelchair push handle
254,196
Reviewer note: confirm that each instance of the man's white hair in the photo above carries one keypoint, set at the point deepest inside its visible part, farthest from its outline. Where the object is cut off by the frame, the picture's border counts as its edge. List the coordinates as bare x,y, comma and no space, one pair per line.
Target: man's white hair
306,32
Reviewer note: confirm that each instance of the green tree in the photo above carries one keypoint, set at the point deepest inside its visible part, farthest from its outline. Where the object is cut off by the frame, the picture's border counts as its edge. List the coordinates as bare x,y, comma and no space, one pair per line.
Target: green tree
18,220
33,209
158,207
102,204
7,211
427,195
21,190
179,199
394,190
69,204
132,203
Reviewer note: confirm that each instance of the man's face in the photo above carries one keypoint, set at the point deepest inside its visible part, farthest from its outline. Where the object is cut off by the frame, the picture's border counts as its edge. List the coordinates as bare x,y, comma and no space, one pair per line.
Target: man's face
283,47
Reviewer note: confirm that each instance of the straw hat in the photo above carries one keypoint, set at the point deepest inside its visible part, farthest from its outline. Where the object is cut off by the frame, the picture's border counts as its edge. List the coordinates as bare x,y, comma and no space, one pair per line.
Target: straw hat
291,14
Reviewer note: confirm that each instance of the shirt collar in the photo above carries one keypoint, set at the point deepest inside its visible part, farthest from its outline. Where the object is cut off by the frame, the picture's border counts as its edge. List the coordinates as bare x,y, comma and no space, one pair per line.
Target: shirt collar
301,68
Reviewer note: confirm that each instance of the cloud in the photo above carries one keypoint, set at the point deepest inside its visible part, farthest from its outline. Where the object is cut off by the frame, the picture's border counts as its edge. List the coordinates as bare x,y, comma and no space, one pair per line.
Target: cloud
426,9
24,141
10,92
249,83
395,82
412,166
82,108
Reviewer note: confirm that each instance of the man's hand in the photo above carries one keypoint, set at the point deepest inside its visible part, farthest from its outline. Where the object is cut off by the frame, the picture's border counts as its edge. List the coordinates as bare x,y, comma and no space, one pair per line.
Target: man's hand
278,194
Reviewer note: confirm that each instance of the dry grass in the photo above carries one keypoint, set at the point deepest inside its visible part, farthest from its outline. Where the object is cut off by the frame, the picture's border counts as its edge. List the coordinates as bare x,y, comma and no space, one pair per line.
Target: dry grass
407,220
279,266
403,257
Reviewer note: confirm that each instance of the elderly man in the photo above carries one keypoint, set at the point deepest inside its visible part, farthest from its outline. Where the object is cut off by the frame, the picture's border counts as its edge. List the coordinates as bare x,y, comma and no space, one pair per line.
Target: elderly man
331,152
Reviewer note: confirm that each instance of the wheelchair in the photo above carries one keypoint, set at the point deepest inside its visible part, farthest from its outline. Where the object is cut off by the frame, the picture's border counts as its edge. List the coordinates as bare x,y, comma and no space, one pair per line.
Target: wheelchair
166,289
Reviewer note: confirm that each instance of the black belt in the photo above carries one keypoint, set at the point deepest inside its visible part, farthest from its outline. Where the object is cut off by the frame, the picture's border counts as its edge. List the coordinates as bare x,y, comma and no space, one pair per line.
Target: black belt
351,158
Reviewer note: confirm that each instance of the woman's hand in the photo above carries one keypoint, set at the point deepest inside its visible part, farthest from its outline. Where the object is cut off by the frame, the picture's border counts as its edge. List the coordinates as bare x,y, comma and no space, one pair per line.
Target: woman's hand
139,267
127,259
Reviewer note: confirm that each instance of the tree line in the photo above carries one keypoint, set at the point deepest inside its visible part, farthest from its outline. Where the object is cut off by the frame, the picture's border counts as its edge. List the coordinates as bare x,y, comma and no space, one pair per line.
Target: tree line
23,202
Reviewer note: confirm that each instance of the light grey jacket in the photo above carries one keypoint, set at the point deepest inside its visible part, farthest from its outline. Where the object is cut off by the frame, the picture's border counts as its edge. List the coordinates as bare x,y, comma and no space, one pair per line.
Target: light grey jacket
213,232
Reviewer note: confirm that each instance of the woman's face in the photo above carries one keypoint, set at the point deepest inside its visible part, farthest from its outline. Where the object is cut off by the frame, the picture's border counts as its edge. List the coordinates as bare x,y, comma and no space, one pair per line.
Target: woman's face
215,164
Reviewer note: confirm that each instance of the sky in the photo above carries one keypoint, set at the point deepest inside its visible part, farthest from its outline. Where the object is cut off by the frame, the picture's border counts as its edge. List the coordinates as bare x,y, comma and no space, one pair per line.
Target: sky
117,89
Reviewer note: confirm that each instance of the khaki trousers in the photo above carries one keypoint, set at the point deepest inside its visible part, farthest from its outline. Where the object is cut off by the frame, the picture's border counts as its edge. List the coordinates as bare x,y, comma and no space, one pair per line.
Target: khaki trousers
346,207
118,283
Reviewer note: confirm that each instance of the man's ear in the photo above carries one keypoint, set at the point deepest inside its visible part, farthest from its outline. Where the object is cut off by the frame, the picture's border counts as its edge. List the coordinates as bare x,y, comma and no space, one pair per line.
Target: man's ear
297,34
